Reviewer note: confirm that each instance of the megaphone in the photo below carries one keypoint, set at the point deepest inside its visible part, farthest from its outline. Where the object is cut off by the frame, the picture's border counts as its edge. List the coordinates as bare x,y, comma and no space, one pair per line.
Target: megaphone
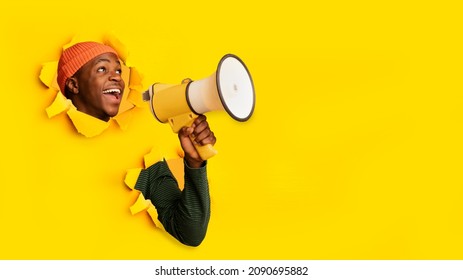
229,89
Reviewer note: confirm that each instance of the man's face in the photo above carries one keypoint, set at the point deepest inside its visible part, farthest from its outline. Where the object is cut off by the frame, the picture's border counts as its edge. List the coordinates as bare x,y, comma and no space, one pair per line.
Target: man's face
100,87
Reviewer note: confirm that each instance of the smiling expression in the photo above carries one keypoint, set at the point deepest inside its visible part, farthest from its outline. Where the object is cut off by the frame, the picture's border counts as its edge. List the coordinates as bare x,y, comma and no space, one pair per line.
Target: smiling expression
99,87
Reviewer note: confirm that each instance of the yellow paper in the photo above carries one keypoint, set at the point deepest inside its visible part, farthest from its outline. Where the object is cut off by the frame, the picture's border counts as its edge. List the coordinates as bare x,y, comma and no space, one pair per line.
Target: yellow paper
135,97
157,155
48,74
87,125
366,97
124,119
125,105
175,164
154,156
131,177
136,78
140,205
154,216
111,40
59,105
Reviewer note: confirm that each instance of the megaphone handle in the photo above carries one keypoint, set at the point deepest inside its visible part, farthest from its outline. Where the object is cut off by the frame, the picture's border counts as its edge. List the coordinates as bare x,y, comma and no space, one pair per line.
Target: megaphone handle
206,151
186,120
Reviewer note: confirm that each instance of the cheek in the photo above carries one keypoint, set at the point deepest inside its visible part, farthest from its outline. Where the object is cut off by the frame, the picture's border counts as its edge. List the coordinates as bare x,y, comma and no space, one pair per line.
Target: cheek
95,84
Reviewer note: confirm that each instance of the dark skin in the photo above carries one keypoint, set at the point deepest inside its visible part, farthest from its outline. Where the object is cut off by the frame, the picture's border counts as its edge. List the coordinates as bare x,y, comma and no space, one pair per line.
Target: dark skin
201,134
97,89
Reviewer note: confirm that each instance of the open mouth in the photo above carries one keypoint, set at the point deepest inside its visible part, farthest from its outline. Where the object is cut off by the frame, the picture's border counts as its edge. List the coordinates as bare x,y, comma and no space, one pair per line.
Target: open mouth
114,92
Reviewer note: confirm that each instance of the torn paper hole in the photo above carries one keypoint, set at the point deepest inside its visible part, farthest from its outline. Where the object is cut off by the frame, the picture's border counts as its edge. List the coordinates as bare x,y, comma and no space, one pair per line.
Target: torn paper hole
131,177
154,216
140,204
175,163
59,105
86,124
131,98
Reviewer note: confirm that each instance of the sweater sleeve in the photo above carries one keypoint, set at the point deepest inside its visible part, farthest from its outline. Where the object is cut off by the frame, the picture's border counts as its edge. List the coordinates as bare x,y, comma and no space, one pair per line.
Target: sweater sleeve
184,214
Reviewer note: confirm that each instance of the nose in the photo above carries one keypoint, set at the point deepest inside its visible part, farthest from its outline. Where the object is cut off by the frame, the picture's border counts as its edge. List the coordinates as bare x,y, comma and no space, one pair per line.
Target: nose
115,76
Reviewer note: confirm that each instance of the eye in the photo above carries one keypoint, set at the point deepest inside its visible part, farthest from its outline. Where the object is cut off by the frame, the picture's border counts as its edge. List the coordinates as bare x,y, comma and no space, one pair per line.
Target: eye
101,69
119,71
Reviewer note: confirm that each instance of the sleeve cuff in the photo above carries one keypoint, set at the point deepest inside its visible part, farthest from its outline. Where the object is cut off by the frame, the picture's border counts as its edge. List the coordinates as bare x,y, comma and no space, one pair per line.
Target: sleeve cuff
196,174
203,166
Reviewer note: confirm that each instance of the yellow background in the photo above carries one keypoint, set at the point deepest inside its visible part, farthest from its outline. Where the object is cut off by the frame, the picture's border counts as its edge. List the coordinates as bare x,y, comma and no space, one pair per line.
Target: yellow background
354,150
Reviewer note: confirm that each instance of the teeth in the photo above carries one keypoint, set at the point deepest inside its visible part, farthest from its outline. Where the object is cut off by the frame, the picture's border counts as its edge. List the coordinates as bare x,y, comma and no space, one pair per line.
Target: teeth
112,90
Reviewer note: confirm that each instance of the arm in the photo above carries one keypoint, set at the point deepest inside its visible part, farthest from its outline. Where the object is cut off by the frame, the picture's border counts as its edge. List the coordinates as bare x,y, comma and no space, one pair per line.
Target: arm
184,214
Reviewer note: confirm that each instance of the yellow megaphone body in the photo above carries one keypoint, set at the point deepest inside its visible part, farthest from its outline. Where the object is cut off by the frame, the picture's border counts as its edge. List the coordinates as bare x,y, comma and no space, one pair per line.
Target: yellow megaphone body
229,89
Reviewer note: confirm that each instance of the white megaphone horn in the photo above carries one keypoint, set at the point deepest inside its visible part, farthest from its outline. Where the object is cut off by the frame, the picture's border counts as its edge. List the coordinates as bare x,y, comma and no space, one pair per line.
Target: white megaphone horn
229,89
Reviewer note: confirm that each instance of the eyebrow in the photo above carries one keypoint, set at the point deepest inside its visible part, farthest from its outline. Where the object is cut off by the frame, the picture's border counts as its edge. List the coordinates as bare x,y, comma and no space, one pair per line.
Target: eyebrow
106,60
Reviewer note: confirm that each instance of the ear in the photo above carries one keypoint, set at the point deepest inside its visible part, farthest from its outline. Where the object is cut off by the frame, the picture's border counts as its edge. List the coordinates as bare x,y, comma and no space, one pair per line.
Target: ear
72,85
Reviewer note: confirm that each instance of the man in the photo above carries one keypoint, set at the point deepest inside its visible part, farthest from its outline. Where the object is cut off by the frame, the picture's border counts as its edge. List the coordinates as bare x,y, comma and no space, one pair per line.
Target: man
89,74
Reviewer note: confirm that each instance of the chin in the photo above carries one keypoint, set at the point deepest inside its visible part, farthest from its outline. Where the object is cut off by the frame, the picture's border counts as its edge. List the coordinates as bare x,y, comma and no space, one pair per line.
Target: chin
113,114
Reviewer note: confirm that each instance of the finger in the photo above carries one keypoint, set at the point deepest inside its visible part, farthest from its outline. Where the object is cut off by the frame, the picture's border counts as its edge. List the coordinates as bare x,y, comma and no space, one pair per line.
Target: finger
184,135
206,137
203,126
198,120
209,140
186,131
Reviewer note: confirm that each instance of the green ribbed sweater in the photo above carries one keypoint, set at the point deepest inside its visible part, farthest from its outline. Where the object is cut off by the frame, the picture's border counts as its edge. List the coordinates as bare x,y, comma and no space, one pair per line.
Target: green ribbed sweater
184,214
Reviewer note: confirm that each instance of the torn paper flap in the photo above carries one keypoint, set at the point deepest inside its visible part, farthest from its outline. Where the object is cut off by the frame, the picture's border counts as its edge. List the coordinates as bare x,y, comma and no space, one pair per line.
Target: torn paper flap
85,124
59,105
131,177
124,119
48,74
153,157
140,205
135,80
154,216
135,97
111,40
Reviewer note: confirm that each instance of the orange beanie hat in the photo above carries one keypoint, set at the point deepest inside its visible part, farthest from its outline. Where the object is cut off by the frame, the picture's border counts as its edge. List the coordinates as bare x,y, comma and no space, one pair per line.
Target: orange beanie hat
74,57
